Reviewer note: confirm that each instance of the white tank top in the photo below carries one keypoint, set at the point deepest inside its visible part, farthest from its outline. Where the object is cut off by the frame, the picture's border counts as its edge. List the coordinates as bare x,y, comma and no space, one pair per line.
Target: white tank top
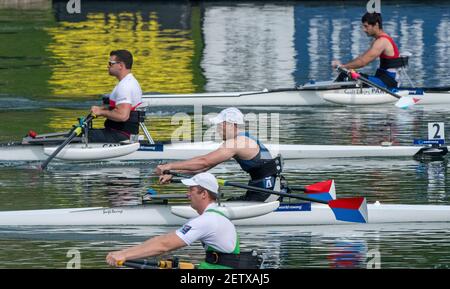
212,229
127,90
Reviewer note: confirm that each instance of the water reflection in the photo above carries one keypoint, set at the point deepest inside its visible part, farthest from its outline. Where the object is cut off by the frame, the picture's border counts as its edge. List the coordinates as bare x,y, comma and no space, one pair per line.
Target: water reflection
163,50
436,174
347,255
344,246
337,34
248,46
187,47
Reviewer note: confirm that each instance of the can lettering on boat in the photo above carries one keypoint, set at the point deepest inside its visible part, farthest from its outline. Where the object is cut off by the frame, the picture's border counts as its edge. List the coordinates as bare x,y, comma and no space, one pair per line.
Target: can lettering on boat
365,91
112,211
109,145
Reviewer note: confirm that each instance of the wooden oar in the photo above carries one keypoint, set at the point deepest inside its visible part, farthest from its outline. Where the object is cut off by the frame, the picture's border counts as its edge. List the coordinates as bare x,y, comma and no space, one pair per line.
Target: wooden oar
403,101
76,132
162,264
345,209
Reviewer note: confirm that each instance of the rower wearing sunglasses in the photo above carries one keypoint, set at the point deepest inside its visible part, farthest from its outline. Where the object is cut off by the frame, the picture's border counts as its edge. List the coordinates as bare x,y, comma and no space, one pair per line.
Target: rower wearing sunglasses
122,119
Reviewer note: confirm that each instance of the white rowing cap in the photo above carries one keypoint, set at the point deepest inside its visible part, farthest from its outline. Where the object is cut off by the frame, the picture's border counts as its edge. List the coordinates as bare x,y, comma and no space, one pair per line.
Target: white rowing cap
231,115
204,180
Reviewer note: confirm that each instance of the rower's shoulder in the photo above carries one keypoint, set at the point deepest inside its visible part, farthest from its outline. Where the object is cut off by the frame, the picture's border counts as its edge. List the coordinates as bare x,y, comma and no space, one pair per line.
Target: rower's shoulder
244,139
384,39
380,43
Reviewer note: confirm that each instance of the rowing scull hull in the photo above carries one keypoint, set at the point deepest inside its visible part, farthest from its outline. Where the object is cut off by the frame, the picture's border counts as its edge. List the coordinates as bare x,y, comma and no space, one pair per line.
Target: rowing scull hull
246,98
181,151
320,93
161,215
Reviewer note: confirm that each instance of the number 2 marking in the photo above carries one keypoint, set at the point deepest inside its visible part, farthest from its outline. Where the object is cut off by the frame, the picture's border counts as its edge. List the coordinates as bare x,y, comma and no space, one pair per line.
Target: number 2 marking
438,128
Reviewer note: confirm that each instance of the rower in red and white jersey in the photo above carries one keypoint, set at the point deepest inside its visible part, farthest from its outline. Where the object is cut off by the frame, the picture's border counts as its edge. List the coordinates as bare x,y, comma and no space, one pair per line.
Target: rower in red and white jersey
383,47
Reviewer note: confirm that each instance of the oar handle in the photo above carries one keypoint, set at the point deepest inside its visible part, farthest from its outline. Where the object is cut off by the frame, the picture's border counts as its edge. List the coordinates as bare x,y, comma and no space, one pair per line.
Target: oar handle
140,261
163,264
355,75
176,174
171,264
137,265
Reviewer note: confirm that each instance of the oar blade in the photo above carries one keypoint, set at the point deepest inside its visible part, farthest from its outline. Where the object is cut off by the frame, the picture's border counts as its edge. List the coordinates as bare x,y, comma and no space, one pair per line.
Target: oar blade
350,209
406,101
324,191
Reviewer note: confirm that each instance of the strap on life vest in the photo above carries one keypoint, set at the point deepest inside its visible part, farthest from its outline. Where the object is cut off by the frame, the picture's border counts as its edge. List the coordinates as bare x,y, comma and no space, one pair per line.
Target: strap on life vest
386,63
394,61
131,126
268,168
235,259
244,260
394,46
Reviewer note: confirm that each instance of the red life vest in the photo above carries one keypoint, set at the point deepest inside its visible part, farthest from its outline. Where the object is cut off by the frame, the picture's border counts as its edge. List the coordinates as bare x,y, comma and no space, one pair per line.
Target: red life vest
396,52
394,61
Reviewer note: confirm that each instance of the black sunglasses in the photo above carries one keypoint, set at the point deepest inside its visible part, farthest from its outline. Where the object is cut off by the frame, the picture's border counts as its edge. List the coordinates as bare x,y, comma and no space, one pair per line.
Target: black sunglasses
111,63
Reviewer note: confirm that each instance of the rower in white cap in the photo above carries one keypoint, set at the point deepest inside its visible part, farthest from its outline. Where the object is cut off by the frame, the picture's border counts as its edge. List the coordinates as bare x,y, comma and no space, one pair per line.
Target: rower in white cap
253,157
216,232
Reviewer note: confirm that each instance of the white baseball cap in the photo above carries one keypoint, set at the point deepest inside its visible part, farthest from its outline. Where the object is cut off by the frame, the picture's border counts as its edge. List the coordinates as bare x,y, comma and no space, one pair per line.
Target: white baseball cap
204,180
231,115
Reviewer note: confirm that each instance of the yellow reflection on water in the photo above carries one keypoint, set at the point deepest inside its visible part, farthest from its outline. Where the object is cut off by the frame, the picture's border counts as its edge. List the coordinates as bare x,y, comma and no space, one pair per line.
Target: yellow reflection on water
162,57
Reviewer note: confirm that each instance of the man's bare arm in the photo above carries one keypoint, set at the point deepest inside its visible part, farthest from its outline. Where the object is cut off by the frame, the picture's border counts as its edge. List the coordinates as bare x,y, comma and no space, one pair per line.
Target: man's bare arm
120,113
202,163
152,247
370,55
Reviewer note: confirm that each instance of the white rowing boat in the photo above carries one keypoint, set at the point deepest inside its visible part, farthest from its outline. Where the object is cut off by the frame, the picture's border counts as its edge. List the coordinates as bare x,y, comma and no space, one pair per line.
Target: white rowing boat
41,147
262,214
311,94
178,151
